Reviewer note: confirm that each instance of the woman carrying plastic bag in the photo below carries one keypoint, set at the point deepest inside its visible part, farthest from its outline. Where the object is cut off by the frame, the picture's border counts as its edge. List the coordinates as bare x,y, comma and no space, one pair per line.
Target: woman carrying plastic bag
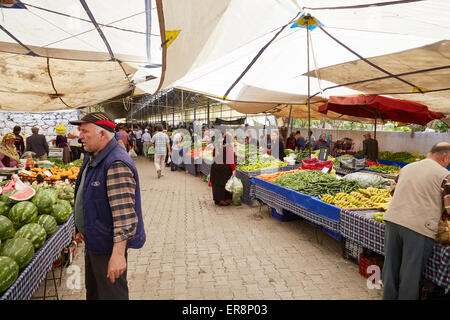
235,186
222,170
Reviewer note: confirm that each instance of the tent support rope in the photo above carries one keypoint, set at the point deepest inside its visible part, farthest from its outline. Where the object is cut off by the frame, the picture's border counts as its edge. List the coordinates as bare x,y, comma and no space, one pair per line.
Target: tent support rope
53,84
386,77
99,30
30,52
258,55
368,62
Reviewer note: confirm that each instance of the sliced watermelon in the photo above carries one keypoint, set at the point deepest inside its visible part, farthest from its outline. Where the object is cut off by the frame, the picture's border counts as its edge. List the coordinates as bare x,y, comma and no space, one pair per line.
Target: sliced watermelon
24,194
9,186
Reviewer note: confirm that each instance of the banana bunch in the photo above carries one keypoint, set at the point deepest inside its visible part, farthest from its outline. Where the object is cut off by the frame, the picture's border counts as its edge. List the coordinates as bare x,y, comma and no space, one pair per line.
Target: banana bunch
382,206
371,191
352,200
328,198
380,199
379,217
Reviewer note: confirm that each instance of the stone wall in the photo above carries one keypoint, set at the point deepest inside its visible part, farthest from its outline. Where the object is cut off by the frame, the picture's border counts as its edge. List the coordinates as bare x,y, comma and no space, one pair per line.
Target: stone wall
45,121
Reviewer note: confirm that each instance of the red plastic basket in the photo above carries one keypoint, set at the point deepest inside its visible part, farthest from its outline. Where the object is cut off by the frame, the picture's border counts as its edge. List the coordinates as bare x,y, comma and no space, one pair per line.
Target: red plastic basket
365,262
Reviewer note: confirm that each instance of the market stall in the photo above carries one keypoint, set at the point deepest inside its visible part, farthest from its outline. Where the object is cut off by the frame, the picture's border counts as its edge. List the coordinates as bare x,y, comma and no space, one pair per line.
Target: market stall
309,208
30,278
351,211
368,233
36,224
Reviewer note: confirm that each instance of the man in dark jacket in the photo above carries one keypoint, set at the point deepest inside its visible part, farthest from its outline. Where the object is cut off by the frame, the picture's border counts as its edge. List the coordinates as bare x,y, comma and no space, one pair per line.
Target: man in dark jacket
370,148
37,143
108,213
277,146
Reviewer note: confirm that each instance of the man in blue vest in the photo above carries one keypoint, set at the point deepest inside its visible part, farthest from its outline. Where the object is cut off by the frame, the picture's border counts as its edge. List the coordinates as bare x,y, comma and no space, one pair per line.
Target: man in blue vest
108,215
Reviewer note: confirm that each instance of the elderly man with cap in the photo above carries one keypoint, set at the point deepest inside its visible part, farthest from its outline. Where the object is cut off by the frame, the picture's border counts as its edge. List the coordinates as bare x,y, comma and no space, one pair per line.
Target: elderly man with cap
37,143
370,147
108,214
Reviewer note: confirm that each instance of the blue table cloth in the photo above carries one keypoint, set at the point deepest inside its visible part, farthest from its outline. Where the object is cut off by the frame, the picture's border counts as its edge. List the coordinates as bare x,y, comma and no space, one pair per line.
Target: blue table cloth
369,233
310,208
36,271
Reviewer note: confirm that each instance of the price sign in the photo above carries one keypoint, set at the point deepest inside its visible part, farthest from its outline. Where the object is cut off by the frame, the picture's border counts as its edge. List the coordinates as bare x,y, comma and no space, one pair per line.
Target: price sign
26,172
325,170
47,173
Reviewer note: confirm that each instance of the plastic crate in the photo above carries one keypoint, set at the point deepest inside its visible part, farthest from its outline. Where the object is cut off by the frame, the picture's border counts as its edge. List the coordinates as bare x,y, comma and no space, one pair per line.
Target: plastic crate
366,261
285,216
56,153
351,250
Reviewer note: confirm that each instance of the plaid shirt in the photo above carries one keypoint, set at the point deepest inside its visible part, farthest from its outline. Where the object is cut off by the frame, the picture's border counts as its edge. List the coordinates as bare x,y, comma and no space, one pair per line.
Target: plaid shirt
160,140
446,197
121,187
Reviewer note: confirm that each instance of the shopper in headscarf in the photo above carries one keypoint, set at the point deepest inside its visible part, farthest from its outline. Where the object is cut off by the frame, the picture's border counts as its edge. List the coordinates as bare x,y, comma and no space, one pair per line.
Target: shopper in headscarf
9,157
222,169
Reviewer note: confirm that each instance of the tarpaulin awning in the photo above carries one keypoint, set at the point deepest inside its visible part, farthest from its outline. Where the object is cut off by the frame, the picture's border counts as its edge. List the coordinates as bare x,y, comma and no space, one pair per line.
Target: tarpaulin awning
221,41
57,55
380,107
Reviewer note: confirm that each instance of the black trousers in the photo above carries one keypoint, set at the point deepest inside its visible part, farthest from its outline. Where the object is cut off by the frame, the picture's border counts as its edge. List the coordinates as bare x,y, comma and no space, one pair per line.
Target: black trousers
75,153
98,286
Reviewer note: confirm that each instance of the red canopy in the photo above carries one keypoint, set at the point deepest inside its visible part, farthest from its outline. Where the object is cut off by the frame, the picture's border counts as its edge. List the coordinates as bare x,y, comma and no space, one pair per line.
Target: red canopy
380,107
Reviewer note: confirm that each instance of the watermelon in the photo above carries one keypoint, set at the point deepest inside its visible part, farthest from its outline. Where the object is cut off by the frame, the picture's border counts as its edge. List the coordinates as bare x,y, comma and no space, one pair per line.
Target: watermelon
44,200
66,193
5,197
49,223
33,232
9,270
19,249
6,228
23,195
10,233
10,186
4,208
61,211
22,213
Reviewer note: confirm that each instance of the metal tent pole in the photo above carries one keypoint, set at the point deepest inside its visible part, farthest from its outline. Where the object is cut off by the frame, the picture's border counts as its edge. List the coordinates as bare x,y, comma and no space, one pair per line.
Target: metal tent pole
182,107
173,107
376,115
289,124
309,89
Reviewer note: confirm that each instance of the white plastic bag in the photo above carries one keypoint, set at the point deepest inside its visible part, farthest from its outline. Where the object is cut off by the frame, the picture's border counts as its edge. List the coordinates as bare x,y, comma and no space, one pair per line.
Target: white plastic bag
229,185
169,160
132,153
237,187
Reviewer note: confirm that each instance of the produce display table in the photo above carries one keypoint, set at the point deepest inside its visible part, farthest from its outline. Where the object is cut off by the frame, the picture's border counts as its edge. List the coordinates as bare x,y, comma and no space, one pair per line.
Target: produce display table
310,208
190,166
205,167
248,194
36,271
369,233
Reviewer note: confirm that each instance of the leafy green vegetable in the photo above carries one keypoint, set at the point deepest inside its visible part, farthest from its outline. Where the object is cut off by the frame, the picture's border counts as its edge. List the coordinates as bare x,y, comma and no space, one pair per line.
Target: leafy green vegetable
255,163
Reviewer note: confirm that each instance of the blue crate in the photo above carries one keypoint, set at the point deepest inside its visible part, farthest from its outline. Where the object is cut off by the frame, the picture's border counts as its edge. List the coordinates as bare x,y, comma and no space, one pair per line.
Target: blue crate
286,216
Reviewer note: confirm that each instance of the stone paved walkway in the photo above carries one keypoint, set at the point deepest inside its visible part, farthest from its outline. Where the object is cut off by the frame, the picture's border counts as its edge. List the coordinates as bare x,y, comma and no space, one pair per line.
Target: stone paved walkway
196,250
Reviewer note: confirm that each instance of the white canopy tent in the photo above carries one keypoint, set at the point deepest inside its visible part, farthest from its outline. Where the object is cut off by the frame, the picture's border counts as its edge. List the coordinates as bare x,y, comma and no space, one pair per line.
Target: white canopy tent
213,44
58,55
